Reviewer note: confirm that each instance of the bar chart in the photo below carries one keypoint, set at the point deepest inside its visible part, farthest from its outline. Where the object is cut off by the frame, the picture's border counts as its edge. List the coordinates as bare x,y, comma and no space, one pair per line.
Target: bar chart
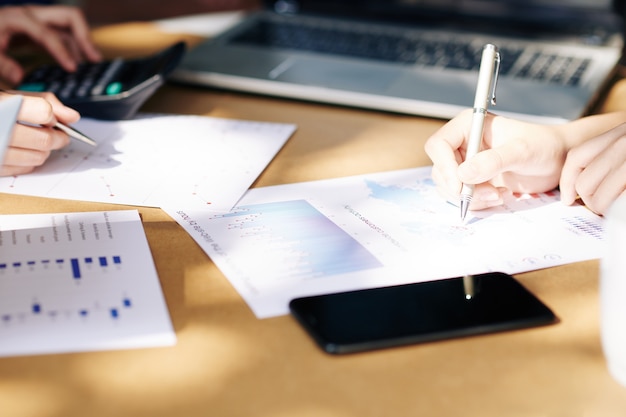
63,272
75,268
37,309
78,281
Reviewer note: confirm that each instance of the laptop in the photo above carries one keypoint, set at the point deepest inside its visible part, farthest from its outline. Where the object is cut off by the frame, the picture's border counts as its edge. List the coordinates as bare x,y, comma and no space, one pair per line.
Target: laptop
9,109
417,57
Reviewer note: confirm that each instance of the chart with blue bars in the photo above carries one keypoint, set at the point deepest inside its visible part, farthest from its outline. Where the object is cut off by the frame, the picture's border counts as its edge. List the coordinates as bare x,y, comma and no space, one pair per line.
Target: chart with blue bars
75,282
38,308
69,285
74,263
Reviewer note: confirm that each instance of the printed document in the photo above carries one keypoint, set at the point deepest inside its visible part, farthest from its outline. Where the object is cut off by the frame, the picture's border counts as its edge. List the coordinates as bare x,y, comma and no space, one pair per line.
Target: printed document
73,282
194,161
380,229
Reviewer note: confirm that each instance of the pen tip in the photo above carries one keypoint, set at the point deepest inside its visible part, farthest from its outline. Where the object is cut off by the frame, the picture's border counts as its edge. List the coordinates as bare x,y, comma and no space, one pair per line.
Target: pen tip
464,207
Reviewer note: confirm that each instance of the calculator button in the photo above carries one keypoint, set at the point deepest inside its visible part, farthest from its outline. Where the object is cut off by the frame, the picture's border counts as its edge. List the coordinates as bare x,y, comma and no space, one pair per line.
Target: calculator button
34,87
82,91
107,77
68,89
54,87
113,88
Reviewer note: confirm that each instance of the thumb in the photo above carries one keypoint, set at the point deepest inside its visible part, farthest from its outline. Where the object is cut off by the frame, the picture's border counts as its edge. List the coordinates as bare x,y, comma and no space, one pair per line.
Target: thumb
481,167
490,163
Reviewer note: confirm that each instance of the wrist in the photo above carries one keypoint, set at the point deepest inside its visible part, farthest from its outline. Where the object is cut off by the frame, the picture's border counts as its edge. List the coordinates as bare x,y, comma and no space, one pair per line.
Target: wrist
578,131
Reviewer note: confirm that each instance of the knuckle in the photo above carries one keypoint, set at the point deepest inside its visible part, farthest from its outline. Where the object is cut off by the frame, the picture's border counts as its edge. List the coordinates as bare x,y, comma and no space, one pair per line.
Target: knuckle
44,140
40,158
620,144
11,13
41,108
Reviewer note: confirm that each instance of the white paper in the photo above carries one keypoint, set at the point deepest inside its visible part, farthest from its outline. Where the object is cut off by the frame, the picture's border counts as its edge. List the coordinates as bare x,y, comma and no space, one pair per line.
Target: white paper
377,230
78,282
191,161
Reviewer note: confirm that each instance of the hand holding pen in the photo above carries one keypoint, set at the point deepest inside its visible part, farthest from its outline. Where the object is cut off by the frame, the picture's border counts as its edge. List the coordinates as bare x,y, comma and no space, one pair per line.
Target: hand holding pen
485,92
38,133
518,156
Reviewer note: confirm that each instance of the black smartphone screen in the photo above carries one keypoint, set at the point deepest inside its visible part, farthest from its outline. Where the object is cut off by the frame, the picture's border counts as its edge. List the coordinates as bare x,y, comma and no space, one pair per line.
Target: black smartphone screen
422,312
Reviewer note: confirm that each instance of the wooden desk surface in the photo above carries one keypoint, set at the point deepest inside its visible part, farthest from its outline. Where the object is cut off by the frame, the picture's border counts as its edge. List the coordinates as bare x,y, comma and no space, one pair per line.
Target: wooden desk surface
228,363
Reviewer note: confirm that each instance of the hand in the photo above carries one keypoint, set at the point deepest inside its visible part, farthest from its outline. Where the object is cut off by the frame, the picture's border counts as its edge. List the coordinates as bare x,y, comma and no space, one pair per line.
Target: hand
515,157
61,30
32,143
596,171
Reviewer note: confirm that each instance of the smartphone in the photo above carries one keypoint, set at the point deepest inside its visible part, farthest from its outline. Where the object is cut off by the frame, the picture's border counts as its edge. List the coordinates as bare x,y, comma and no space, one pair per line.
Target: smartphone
421,312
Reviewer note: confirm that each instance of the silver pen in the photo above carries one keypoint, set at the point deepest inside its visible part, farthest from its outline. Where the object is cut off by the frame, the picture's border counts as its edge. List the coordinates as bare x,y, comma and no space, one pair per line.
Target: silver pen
73,133
485,92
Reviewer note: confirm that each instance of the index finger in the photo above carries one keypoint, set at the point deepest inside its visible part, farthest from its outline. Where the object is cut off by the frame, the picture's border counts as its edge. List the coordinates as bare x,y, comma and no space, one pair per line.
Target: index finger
37,111
444,148
72,19
31,108
23,21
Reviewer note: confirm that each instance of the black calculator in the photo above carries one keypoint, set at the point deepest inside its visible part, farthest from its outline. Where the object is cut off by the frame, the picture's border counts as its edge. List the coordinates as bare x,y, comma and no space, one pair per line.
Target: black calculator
109,90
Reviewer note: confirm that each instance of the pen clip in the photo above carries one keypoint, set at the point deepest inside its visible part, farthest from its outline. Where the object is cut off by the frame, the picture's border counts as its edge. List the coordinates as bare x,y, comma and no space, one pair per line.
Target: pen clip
495,78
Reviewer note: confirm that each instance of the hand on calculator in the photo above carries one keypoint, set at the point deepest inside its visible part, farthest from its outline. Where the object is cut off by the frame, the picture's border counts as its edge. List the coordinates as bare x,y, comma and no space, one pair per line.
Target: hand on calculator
61,30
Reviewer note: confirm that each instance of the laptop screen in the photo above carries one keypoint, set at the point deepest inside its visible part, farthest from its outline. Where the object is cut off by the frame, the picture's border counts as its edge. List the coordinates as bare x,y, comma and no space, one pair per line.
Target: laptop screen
559,16
464,7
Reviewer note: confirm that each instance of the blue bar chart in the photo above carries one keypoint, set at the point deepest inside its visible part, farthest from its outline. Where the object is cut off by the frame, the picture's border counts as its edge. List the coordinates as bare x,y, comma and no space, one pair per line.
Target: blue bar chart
38,309
68,274
41,265
76,282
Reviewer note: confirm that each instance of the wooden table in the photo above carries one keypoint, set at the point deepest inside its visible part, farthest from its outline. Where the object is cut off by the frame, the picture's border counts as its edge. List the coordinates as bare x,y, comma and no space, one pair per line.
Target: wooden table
228,363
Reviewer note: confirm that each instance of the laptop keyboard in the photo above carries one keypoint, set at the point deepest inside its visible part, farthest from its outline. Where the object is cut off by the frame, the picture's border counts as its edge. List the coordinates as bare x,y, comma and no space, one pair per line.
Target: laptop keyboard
408,48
